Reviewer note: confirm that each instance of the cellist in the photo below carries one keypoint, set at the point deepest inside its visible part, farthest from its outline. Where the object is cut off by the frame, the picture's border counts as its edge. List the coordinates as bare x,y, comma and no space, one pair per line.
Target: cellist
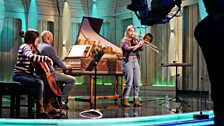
24,71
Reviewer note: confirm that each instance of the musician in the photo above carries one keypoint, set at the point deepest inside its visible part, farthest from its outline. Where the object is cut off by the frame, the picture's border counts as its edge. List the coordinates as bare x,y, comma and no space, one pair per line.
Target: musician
24,71
130,64
148,37
46,48
209,35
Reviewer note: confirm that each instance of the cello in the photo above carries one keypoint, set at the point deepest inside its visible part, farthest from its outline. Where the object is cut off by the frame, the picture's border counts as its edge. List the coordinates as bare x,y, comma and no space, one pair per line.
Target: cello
43,71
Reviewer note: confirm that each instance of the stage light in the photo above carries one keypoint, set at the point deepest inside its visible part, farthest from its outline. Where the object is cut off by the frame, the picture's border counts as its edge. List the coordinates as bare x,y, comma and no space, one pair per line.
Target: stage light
161,11
138,5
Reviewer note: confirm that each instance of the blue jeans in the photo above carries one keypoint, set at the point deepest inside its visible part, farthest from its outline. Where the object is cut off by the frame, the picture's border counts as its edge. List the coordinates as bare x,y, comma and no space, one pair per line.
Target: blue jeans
67,81
131,70
30,82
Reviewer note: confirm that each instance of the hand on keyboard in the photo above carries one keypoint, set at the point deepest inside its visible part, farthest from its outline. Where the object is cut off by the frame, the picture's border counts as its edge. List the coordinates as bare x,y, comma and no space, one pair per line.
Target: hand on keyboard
68,66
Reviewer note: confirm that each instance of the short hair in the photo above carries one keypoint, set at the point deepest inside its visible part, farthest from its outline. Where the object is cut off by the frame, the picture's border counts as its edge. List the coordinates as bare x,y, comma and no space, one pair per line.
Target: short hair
31,35
44,33
149,35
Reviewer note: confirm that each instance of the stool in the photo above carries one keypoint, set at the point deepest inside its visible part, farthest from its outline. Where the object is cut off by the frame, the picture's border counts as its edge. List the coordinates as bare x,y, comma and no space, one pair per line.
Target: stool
14,90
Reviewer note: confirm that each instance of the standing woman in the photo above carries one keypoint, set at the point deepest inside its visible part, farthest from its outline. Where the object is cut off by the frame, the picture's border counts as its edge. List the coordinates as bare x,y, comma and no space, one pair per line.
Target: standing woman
130,64
24,70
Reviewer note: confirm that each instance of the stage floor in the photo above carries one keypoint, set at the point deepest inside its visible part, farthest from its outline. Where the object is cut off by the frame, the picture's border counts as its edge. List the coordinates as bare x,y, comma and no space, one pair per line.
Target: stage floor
152,112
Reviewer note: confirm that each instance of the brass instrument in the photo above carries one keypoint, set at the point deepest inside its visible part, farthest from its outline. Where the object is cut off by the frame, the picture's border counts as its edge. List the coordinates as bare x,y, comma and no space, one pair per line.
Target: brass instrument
153,47
147,43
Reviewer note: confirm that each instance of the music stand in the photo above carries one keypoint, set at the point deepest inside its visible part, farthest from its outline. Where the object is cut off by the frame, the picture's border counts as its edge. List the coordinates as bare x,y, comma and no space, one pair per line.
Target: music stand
178,100
90,67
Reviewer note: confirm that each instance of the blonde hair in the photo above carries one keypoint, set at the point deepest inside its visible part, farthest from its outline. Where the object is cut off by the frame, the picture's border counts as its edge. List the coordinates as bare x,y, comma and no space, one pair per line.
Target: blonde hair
128,28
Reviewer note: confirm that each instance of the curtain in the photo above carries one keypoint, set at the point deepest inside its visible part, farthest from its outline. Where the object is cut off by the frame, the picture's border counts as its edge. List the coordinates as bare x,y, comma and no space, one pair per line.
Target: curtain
9,44
66,25
2,14
105,31
196,77
73,35
172,54
125,24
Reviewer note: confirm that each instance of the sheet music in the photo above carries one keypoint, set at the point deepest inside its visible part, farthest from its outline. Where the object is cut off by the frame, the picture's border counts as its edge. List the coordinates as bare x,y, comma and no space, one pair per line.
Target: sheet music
77,50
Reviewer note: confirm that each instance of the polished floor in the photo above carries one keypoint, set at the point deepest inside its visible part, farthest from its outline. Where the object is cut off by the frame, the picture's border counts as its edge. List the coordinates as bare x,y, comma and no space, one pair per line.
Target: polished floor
152,106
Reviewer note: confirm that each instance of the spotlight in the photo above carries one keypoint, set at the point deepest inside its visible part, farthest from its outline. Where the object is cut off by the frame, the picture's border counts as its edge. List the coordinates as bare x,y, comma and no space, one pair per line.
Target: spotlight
137,5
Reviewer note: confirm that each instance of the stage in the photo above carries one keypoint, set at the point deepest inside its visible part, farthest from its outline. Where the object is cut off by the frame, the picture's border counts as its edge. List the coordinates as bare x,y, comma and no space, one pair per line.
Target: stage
151,113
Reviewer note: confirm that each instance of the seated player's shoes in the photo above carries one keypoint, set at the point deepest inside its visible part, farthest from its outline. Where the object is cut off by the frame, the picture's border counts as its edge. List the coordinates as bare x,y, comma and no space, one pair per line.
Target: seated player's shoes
50,109
64,106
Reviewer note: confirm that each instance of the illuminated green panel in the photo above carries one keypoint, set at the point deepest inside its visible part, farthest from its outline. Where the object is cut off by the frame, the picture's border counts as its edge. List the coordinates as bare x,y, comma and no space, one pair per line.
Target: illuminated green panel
79,80
107,84
109,80
101,80
164,83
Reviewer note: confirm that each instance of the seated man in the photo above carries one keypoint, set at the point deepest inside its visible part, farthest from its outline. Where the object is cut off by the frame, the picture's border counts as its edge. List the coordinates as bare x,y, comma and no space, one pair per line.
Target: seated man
46,48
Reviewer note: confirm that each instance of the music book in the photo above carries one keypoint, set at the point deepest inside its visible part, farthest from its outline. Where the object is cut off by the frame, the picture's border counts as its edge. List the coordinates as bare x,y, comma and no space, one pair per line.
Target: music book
77,50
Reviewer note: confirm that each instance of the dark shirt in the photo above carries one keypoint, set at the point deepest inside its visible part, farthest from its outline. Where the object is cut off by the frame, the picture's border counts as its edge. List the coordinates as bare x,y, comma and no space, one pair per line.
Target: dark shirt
48,50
